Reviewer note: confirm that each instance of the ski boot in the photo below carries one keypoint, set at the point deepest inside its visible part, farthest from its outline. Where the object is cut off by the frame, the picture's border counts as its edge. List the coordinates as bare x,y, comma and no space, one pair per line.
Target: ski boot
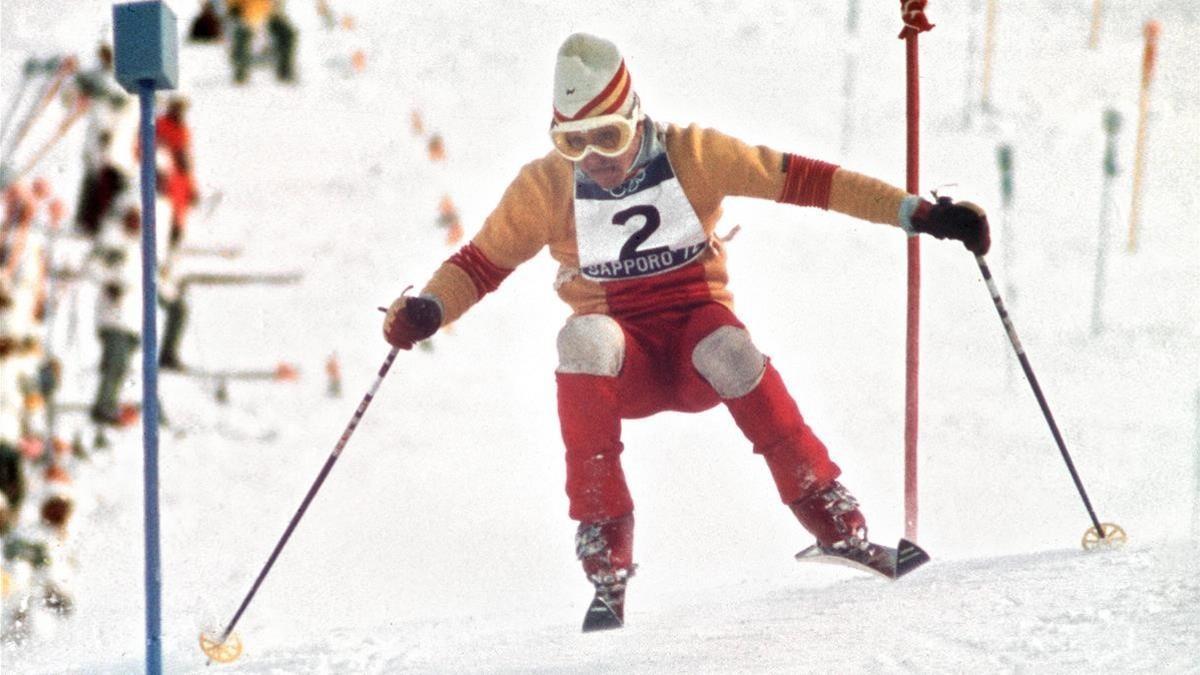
832,515
605,549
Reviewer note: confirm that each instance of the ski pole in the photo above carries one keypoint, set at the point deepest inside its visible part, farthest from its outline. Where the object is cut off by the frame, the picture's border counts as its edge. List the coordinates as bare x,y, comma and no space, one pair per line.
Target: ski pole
31,67
1112,125
64,69
851,66
63,127
213,647
1004,159
1037,392
970,70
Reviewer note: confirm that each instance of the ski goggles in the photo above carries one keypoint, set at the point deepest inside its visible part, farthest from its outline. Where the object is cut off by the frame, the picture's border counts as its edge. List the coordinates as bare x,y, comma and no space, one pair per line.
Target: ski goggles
607,135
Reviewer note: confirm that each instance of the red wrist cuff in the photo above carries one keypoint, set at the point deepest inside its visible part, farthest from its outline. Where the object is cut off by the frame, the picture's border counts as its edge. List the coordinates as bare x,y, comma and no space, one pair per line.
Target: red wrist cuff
485,274
808,181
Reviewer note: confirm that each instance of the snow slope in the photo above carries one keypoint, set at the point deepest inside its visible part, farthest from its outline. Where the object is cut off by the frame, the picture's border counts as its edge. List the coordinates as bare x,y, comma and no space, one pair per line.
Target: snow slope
440,542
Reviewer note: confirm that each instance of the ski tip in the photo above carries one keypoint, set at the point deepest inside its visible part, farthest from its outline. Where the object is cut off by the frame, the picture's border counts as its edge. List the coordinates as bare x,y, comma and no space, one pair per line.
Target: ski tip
909,557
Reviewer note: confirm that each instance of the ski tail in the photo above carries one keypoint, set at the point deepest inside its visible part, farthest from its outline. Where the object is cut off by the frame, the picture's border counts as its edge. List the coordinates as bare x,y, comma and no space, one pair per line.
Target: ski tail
602,615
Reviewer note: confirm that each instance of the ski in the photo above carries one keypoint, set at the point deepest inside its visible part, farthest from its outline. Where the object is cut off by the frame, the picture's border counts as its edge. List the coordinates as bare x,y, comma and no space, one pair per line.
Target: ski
213,279
604,613
889,563
213,250
128,414
284,372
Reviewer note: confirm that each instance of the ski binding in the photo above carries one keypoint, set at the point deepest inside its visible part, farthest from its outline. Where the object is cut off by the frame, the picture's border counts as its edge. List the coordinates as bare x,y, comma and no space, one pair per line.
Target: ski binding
889,563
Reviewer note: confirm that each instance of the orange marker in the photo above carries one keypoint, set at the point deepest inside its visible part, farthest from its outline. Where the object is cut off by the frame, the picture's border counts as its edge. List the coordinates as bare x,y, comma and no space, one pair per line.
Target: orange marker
1097,19
436,148
1149,56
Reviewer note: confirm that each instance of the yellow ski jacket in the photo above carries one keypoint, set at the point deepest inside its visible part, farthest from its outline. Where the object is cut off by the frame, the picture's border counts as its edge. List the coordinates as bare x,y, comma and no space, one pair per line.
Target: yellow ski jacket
537,211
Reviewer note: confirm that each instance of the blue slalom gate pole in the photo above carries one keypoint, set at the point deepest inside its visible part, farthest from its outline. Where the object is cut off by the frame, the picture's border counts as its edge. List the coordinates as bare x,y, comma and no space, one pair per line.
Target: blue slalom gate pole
147,60
150,382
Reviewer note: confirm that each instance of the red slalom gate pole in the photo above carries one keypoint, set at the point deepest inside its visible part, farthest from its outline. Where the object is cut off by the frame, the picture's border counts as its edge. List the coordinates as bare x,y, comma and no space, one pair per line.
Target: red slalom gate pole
913,14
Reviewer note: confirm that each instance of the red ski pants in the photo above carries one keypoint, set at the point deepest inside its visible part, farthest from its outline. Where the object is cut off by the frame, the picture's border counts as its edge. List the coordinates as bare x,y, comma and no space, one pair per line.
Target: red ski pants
658,375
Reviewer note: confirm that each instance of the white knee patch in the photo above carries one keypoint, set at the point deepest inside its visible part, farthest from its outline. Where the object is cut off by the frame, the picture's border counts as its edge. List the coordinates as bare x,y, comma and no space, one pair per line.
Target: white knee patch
592,344
729,361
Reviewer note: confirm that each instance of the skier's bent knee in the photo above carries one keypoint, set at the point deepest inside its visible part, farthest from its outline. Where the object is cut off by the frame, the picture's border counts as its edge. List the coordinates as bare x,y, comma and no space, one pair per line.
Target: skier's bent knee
592,344
729,361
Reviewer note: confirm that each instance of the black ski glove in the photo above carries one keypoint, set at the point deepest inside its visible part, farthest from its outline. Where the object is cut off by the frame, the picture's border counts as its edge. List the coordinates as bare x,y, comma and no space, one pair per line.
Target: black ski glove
946,219
411,319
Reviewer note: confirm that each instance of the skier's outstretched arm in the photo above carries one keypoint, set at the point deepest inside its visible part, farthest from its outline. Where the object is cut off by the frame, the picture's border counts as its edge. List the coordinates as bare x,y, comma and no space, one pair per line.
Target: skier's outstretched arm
724,165
514,232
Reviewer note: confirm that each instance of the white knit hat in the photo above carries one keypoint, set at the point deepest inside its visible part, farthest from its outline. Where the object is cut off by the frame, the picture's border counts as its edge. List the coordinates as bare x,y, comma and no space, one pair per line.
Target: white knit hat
590,79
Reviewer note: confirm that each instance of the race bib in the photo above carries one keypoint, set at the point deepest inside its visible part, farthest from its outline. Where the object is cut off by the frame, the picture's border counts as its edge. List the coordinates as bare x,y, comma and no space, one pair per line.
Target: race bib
642,228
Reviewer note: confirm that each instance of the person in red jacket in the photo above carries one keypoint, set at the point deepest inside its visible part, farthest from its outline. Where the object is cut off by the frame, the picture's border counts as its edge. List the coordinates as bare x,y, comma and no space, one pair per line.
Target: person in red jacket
629,209
175,147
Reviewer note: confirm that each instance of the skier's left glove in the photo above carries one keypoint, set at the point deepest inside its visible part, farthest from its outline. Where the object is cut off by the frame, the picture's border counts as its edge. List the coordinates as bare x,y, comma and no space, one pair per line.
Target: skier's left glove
947,219
411,319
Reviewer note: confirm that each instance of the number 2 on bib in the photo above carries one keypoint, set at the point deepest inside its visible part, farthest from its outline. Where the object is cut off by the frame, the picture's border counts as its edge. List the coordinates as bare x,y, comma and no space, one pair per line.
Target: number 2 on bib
630,250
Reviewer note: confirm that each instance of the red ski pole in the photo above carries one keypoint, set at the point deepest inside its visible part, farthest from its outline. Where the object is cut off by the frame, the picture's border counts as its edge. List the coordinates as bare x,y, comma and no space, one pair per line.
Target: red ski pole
220,648
913,14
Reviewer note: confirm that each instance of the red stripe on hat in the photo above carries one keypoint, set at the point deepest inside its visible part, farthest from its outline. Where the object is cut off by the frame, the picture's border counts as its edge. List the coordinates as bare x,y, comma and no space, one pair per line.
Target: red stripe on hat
598,98
616,105
616,80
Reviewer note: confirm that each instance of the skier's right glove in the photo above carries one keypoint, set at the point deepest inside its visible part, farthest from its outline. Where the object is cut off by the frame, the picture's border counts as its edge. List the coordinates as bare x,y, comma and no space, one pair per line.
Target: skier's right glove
948,219
411,319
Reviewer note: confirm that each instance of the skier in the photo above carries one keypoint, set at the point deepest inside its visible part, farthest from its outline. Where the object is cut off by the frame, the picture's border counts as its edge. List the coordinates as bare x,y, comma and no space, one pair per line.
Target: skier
172,298
628,207
179,187
174,147
21,273
283,43
206,27
115,266
109,147
44,367
250,19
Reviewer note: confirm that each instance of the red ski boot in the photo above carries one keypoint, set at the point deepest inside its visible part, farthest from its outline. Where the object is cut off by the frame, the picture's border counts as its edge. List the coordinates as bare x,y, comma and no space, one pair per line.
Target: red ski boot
832,515
606,549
